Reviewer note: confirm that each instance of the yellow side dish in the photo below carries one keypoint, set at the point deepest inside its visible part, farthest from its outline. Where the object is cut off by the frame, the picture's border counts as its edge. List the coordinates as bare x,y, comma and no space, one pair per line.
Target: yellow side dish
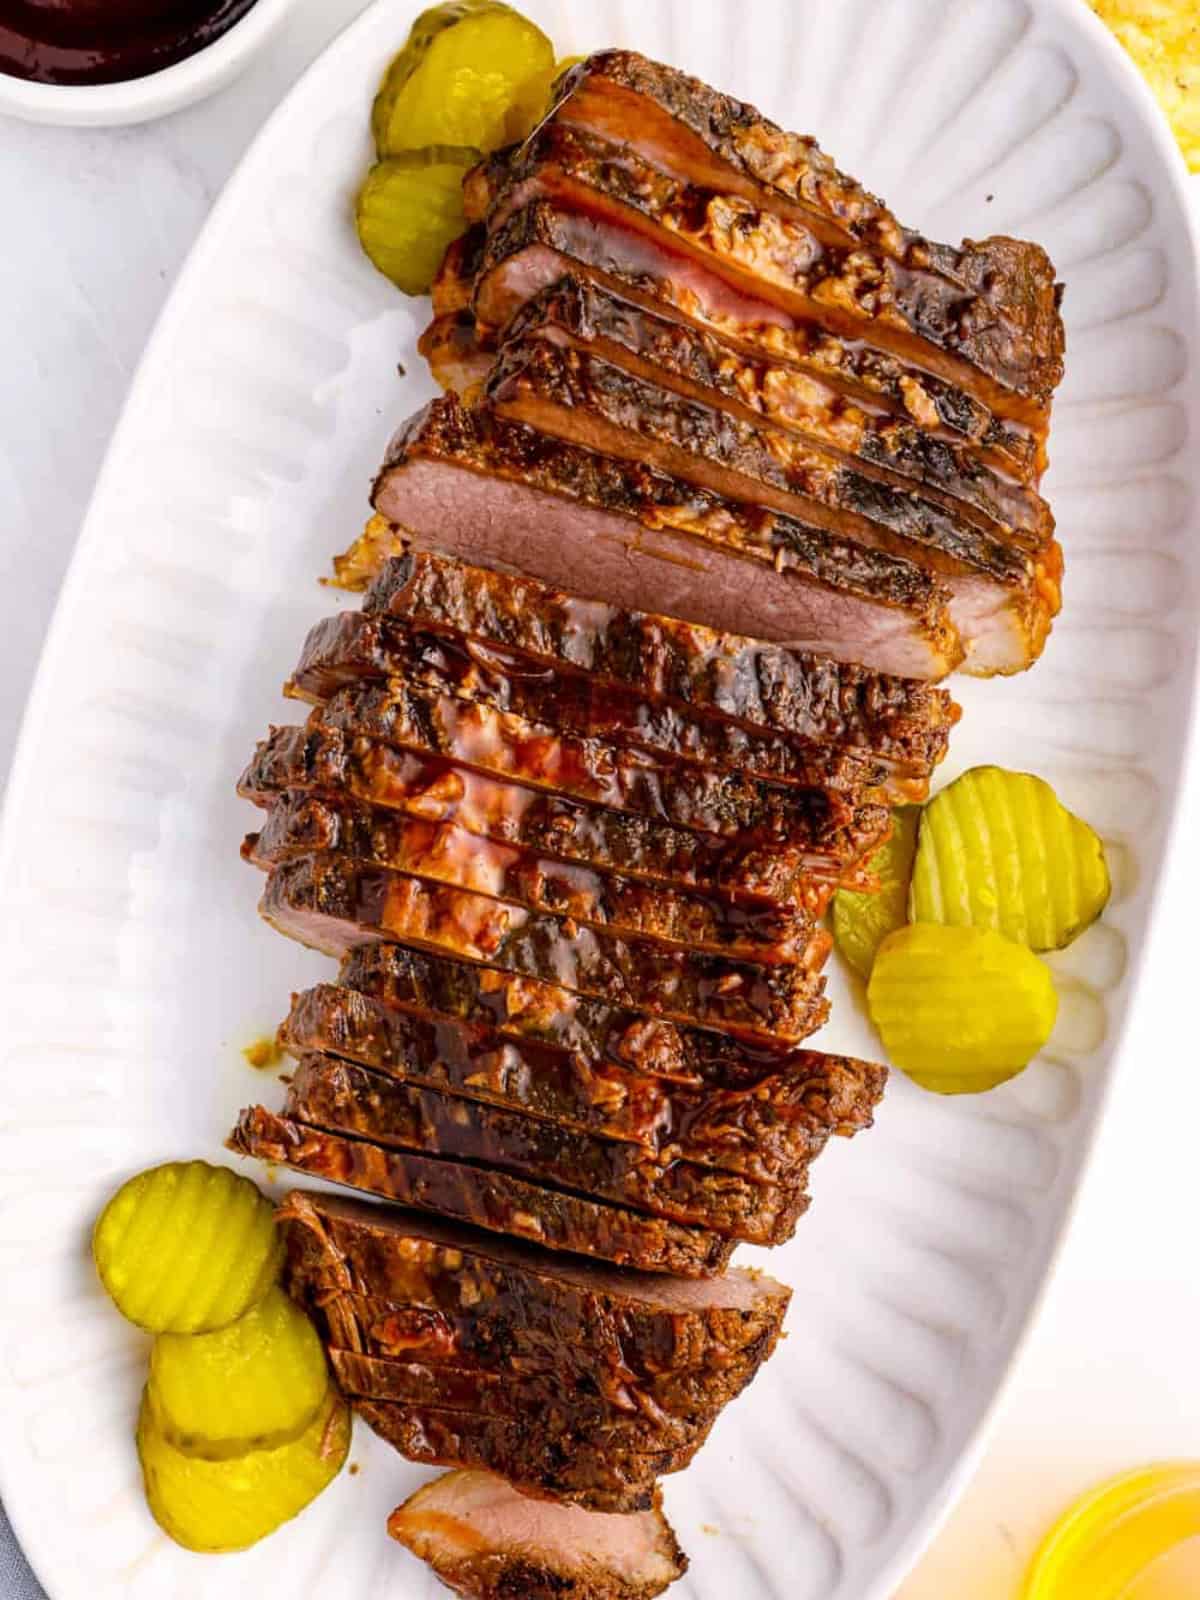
1163,37
186,1247
256,1384
229,1505
959,1009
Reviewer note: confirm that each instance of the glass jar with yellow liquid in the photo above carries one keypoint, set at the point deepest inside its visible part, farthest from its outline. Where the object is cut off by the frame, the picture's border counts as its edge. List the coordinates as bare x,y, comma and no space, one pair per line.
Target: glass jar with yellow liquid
1135,1538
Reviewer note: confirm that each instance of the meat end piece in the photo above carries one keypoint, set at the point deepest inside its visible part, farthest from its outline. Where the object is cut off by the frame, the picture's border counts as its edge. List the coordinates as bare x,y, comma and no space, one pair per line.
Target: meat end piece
487,1541
476,486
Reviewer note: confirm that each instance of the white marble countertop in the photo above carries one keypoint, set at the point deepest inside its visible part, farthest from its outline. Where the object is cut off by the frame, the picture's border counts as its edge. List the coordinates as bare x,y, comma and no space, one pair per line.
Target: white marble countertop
96,225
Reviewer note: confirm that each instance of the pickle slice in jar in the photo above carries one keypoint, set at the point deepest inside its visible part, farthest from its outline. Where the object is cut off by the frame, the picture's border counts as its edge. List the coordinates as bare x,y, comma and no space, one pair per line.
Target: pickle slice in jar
408,212
228,1505
186,1247
959,1010
999,850
466,66
861,922
254,1385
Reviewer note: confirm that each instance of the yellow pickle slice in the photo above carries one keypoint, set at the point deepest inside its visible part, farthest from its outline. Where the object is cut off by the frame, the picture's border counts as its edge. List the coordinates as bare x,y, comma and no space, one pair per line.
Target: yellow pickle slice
474,72
186,1247
959,1010
229,1505
861,922
999,850
254,1385
409,210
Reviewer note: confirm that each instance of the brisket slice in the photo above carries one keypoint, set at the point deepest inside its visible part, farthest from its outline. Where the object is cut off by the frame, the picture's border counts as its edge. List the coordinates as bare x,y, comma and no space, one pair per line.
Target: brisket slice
569,1467
457,359
493,1300
503,745
543,243
811,699
343,650
524,1008
339,1097
1002,289
332,904
441,852
493,1200
454,286
606,410
476,486
578,313
765,1131
487,1541
558,1401
553,383
1010,362
331,764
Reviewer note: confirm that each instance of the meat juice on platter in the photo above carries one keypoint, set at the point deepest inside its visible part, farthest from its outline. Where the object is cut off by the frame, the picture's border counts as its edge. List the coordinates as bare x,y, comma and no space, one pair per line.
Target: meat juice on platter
107,41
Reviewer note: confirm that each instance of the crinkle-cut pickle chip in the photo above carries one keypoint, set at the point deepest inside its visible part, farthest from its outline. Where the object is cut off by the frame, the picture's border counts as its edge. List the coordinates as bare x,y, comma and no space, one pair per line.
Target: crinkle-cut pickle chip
409,210
187,1247
999,850
228,1505
474,72
861,922
251,1386
959,1009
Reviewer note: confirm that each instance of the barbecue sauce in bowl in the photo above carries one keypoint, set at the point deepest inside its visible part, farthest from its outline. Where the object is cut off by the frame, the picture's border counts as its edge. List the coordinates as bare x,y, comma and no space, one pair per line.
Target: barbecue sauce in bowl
107,41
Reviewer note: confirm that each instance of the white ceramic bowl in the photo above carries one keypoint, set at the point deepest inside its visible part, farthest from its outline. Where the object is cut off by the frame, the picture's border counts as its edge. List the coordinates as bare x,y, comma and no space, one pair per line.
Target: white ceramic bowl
96,105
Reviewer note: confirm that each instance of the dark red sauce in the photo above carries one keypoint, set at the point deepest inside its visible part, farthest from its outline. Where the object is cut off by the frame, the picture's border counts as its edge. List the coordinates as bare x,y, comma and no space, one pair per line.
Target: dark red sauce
107,41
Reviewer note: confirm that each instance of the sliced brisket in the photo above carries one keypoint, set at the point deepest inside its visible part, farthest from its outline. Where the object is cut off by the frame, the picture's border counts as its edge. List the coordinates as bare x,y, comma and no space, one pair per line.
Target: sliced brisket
493,1200
476,486
345,649
332,904
524,1008
441,852
343,1098
766,1130
330,764
491,1300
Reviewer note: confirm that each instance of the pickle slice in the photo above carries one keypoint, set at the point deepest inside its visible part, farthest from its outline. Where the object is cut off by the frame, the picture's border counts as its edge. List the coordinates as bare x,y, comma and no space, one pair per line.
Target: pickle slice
861,922
999,850
474,72
409,210
228,1505
187,1247
959,1009
251,1386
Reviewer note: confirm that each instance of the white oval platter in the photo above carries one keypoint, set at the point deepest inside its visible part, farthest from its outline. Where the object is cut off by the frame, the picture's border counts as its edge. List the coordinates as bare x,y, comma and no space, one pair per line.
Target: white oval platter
135,968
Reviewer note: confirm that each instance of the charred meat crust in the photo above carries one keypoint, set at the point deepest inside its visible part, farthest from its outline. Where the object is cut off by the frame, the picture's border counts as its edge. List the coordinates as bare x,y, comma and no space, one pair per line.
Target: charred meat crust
332,764
494,1200
333,904
805,697
811,403
576,395
482,442
1006,346
506,746
340,1097
343,650
766,1131
527,1008
568,1467
543,242
298,824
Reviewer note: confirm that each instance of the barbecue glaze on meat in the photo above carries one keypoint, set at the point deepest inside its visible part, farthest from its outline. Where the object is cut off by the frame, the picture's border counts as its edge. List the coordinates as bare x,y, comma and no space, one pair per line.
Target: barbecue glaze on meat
731,469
